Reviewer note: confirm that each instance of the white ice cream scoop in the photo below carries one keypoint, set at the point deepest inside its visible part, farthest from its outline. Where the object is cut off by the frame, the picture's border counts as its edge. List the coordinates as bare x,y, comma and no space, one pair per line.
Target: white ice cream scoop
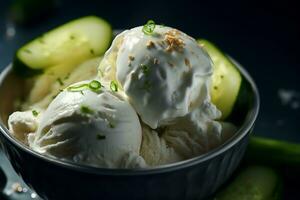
163,73
90,125
22,123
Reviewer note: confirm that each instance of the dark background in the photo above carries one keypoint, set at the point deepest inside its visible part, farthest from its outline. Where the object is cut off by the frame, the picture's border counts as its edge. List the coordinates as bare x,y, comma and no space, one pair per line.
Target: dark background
263,36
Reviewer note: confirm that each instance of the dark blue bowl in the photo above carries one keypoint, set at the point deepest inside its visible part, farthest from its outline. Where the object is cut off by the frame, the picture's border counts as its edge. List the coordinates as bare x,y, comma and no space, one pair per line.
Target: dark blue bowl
195,178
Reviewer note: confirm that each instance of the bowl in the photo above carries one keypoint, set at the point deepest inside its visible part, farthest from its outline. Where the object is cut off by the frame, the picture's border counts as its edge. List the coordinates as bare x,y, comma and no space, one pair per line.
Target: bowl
195,178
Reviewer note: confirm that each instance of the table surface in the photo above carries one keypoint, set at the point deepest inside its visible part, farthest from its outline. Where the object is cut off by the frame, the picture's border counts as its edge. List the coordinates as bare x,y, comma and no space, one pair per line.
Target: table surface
264,38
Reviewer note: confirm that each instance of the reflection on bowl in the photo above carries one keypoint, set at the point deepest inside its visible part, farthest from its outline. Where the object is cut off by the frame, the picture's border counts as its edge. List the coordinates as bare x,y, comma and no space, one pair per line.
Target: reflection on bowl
195,178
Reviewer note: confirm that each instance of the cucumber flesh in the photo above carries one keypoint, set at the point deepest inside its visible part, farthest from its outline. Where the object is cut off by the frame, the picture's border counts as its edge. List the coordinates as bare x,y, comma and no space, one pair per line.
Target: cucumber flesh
226,79
48,85
253,183
74,42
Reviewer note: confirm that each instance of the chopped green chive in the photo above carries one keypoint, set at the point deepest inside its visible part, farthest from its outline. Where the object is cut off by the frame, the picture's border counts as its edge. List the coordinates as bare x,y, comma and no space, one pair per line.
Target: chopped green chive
61,83
114,86
86,110
95,85
35,113
100,137
77,88
145,69
148,28
111,125
67,76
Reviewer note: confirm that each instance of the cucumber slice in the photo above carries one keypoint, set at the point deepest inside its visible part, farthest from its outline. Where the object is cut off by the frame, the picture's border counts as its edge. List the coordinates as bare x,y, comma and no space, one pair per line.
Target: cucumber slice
226,79
273,152
253,183
48,85
74,42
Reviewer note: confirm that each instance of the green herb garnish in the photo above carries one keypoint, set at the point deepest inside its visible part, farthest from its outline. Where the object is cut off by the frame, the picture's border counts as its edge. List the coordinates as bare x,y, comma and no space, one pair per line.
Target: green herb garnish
61,83
54,96
95,85
114,86
35,113
100,137
148,28
145,69
111,125
86,110
67,76
77,88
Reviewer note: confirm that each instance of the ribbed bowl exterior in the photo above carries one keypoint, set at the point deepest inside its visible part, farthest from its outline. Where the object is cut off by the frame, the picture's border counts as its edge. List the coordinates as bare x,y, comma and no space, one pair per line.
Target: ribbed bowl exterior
195,182
197,178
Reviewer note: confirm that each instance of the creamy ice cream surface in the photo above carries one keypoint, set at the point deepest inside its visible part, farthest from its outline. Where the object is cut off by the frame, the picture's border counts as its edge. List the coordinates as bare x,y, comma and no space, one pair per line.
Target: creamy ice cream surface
149,105
163,74
21,124
98,128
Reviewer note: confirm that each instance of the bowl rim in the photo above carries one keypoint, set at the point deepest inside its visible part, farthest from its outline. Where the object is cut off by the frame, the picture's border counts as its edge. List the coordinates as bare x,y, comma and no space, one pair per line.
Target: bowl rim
232,141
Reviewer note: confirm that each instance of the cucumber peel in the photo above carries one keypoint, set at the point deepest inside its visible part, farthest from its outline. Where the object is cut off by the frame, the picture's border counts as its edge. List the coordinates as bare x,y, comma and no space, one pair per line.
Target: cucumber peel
75,41
226,79
253,183
274,152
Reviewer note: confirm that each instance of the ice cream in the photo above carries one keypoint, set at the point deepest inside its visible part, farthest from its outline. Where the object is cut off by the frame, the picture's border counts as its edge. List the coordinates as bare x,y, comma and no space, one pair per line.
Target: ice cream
195,133
21,124
89,124
164,74
188,136
149,105
155,149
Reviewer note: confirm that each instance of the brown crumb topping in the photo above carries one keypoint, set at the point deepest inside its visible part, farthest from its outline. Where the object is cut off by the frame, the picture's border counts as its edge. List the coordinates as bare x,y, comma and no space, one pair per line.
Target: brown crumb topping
131,58
174,42
155,61
187,62
150,44
16,187
171,64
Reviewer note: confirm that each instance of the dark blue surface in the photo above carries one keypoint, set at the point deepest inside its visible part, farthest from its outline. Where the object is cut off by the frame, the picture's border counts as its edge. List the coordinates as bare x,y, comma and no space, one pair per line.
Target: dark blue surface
263,37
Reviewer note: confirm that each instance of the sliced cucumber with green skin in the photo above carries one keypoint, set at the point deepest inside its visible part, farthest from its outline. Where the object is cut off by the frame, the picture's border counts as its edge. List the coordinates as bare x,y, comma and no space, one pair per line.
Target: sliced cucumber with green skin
72,42
226,79
253,183
272,152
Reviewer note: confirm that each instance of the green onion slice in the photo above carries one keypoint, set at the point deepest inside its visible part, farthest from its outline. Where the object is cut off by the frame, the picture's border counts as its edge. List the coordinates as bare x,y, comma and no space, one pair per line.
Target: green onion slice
114,86
35,113
148,28
95,85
